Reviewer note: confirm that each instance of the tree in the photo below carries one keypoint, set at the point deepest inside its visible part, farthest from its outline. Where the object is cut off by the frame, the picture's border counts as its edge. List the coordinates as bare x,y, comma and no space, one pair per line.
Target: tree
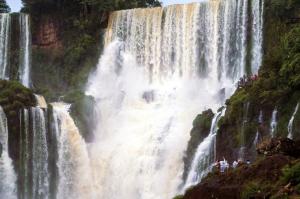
4,8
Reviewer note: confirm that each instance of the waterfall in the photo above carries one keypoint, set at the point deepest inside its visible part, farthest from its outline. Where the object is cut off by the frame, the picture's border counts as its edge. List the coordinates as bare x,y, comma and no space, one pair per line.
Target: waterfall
25,155
25,50
75,177
291,122
273,124
7,173
184,55
243,139
4,45
205,155
40,173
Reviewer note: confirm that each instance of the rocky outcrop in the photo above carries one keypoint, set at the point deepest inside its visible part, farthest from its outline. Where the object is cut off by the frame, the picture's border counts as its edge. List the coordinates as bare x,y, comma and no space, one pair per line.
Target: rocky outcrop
13,98
283,146
274,175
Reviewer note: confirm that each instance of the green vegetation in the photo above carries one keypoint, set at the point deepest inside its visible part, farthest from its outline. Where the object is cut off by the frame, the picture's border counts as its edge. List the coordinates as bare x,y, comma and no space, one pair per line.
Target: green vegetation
256,190
291,174
4,8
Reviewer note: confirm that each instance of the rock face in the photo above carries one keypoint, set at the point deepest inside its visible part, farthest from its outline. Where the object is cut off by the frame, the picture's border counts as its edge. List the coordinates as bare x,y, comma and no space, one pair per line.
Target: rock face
279,146
47,33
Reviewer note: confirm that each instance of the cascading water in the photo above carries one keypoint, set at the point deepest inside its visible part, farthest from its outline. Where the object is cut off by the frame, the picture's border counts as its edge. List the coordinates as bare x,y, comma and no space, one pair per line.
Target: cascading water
25,50
161,67
291,122
7,173
4,45
75,177
273,124
40,173
205,155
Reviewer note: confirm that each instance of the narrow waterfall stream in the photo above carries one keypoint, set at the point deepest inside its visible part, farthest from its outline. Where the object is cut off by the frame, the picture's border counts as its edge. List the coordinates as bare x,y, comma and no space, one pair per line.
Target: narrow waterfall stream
205,155
273,124
25,54
291,122
4,45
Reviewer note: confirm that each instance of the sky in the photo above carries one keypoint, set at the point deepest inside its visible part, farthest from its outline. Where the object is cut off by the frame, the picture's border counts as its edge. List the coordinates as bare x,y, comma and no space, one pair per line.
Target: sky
16,5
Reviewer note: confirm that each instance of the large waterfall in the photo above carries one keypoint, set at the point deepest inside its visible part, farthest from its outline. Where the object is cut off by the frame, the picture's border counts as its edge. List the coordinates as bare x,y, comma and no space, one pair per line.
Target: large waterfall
4,45
7,174
160,67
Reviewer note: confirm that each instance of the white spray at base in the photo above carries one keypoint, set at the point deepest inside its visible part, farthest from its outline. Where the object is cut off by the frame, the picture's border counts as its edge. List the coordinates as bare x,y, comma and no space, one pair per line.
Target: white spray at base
291,122
205,155
160,68
75,178
7,173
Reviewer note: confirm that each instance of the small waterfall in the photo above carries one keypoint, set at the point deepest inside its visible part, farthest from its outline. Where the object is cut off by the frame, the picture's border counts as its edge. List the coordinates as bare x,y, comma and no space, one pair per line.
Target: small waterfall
7,173
260,117
25,48
256,139
75,178
291,122
4,45
243,139
205,155
41,102
40,173
273,124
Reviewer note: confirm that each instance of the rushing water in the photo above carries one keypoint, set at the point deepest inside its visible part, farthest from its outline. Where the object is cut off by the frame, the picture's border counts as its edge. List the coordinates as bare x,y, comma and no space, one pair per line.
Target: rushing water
291,122
4,45
75,177
159,69
25,50
7,173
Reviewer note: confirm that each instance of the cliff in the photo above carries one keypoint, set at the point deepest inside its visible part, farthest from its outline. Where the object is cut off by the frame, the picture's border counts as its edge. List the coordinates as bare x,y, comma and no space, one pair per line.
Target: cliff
261,109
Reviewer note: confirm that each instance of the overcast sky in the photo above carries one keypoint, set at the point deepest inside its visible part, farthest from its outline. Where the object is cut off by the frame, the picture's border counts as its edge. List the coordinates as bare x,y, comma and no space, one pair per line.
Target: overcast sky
15,5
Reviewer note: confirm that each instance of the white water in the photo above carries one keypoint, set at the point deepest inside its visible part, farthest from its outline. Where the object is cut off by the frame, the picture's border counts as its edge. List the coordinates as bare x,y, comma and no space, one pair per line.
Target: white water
273,124
40,173
4,45
7,173
25,50
183,55
205,155
75,178
291,122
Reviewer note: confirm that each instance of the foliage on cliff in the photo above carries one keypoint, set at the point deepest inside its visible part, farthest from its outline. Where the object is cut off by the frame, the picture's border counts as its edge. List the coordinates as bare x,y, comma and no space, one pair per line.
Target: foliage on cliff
4,8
